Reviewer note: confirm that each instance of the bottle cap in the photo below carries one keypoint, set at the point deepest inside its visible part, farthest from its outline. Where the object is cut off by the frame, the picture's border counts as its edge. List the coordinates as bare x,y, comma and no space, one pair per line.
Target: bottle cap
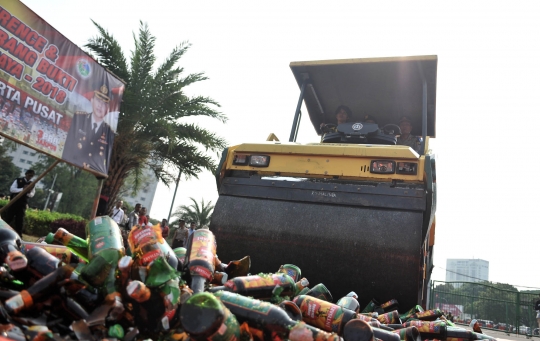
50,238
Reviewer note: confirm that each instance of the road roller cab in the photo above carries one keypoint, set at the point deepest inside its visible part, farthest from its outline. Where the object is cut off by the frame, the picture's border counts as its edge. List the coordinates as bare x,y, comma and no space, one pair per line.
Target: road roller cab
354,211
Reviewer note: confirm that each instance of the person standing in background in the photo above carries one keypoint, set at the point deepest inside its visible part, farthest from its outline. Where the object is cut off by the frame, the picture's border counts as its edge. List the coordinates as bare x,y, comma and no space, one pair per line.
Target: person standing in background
180,235
164,228
17,210
133,218
118,213
192,227
143,219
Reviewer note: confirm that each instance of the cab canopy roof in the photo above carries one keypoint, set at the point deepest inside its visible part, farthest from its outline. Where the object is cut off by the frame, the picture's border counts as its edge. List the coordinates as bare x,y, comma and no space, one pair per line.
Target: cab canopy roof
385,88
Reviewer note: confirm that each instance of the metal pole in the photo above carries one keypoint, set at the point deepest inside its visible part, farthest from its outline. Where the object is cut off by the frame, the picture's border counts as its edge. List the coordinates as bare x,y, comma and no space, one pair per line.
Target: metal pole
96,199
49,196
292,138
424,116
174,196
28,188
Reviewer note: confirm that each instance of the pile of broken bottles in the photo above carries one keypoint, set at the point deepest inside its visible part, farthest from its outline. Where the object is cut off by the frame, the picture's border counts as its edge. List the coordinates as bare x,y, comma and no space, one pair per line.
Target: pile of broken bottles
76,289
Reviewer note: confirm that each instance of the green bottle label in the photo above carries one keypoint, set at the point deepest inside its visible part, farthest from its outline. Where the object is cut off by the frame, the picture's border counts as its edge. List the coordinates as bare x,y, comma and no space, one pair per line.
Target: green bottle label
104,235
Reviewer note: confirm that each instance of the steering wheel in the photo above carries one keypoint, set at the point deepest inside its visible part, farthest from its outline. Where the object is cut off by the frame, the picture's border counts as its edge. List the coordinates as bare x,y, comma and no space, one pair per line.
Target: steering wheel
326,128
387,129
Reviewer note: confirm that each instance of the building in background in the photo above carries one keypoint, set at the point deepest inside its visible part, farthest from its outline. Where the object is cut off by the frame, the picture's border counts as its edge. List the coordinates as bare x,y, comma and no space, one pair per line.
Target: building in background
467,270
145,195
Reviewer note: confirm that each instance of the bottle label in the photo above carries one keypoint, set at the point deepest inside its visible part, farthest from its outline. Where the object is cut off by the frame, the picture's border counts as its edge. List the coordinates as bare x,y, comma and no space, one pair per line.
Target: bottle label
201,271
428,314
322,314
429,328
63,236
104,235
149,257
256,281
202,252
389,303
389,318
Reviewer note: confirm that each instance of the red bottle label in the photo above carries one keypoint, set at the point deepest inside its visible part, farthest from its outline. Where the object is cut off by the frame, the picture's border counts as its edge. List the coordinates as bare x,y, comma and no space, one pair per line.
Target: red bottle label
149,257
201,271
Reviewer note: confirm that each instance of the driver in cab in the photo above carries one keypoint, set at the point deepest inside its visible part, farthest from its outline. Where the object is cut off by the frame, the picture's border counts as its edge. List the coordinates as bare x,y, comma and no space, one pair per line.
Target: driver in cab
406,138
342,115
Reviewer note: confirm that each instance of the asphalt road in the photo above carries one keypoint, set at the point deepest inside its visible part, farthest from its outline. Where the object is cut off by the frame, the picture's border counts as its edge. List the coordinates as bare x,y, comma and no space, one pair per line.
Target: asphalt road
500,335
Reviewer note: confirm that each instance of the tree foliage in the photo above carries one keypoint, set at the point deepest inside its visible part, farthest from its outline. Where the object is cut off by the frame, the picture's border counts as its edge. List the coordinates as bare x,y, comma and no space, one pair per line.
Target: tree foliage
78,187
8,171
152,127
199,213
498,302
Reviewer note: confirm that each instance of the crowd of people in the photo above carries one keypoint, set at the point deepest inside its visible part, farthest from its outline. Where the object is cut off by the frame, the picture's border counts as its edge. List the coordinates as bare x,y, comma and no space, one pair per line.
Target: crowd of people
14,215
139,216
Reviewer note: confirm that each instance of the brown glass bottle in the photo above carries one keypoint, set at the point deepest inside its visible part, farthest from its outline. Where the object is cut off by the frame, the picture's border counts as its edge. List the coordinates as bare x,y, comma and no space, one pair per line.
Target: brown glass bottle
40,262
204,317
322,314
26,298
261,287
358,330
200,258
390,305
428,315
10,248
391,317
408,334
385,335
272,320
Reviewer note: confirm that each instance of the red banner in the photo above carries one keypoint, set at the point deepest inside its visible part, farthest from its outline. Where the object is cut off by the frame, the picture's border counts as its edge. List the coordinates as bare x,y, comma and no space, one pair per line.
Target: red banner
54,97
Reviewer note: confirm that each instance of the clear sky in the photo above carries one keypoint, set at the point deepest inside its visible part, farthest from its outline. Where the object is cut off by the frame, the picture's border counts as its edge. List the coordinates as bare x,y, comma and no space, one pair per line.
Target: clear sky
487,95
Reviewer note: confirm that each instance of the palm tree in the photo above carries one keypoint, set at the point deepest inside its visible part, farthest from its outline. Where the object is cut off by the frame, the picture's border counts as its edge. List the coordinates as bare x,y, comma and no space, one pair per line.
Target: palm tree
201,214
151,130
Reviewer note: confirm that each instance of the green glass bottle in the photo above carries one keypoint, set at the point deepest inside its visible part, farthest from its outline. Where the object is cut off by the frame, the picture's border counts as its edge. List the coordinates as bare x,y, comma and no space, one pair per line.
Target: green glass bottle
371,306
291,270
321,292
204,317
180,253
416,309
78,245
262,286
104,251
271,320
